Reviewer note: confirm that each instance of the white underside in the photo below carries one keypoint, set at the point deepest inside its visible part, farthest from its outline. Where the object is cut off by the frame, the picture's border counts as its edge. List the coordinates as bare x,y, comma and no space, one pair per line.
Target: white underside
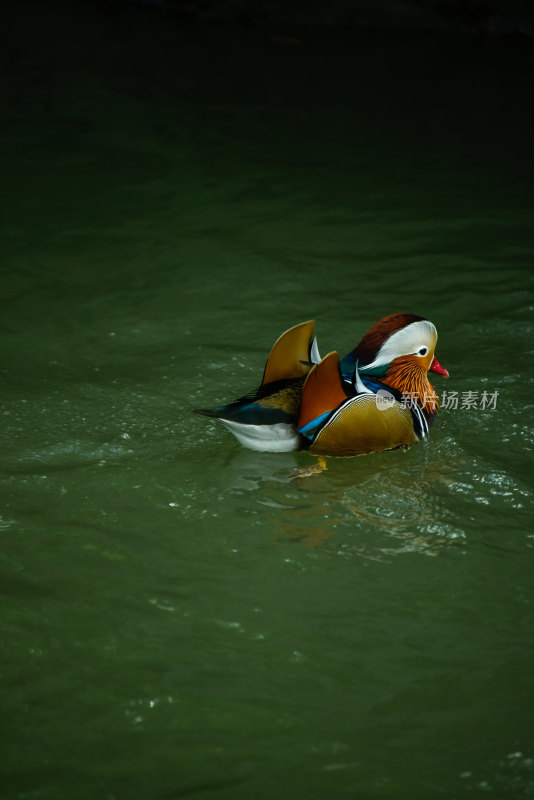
279,438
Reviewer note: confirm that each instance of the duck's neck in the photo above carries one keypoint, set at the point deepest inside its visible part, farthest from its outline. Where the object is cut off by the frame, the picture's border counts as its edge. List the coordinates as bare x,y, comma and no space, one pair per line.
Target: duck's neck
410,378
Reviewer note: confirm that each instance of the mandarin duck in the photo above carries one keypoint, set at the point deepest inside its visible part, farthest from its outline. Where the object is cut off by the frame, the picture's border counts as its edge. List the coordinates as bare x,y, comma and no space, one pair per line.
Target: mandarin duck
378,397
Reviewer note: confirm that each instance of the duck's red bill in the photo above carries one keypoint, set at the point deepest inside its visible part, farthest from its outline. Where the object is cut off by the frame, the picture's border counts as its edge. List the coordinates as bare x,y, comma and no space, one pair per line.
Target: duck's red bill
436,367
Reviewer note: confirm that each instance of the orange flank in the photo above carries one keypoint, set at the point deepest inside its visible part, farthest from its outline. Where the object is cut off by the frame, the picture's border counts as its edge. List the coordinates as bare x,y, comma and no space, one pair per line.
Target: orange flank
323,390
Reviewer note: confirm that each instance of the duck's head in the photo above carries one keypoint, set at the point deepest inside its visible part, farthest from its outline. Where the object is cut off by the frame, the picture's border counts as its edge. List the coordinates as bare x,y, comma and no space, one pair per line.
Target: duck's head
400,351
397,336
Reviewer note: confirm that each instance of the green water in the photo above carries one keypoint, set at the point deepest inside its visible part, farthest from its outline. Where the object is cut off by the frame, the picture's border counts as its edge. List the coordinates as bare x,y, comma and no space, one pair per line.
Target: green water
179,619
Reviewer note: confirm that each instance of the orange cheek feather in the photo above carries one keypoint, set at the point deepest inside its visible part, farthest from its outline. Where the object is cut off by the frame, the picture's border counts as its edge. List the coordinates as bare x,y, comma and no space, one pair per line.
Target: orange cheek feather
408,374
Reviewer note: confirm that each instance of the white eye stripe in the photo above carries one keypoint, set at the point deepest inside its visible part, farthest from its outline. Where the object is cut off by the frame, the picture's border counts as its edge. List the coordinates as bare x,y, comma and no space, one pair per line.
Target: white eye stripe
406,341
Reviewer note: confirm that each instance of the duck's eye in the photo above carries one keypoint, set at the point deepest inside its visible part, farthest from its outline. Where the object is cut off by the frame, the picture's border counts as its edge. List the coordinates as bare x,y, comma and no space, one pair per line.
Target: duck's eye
422,351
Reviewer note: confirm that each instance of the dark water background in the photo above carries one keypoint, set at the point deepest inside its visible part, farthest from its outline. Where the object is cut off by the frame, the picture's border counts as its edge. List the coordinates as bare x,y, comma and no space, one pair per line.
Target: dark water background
178,618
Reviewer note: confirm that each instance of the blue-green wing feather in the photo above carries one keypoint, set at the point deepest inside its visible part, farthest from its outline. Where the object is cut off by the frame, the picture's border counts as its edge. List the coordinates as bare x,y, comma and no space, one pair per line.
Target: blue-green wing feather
270,404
